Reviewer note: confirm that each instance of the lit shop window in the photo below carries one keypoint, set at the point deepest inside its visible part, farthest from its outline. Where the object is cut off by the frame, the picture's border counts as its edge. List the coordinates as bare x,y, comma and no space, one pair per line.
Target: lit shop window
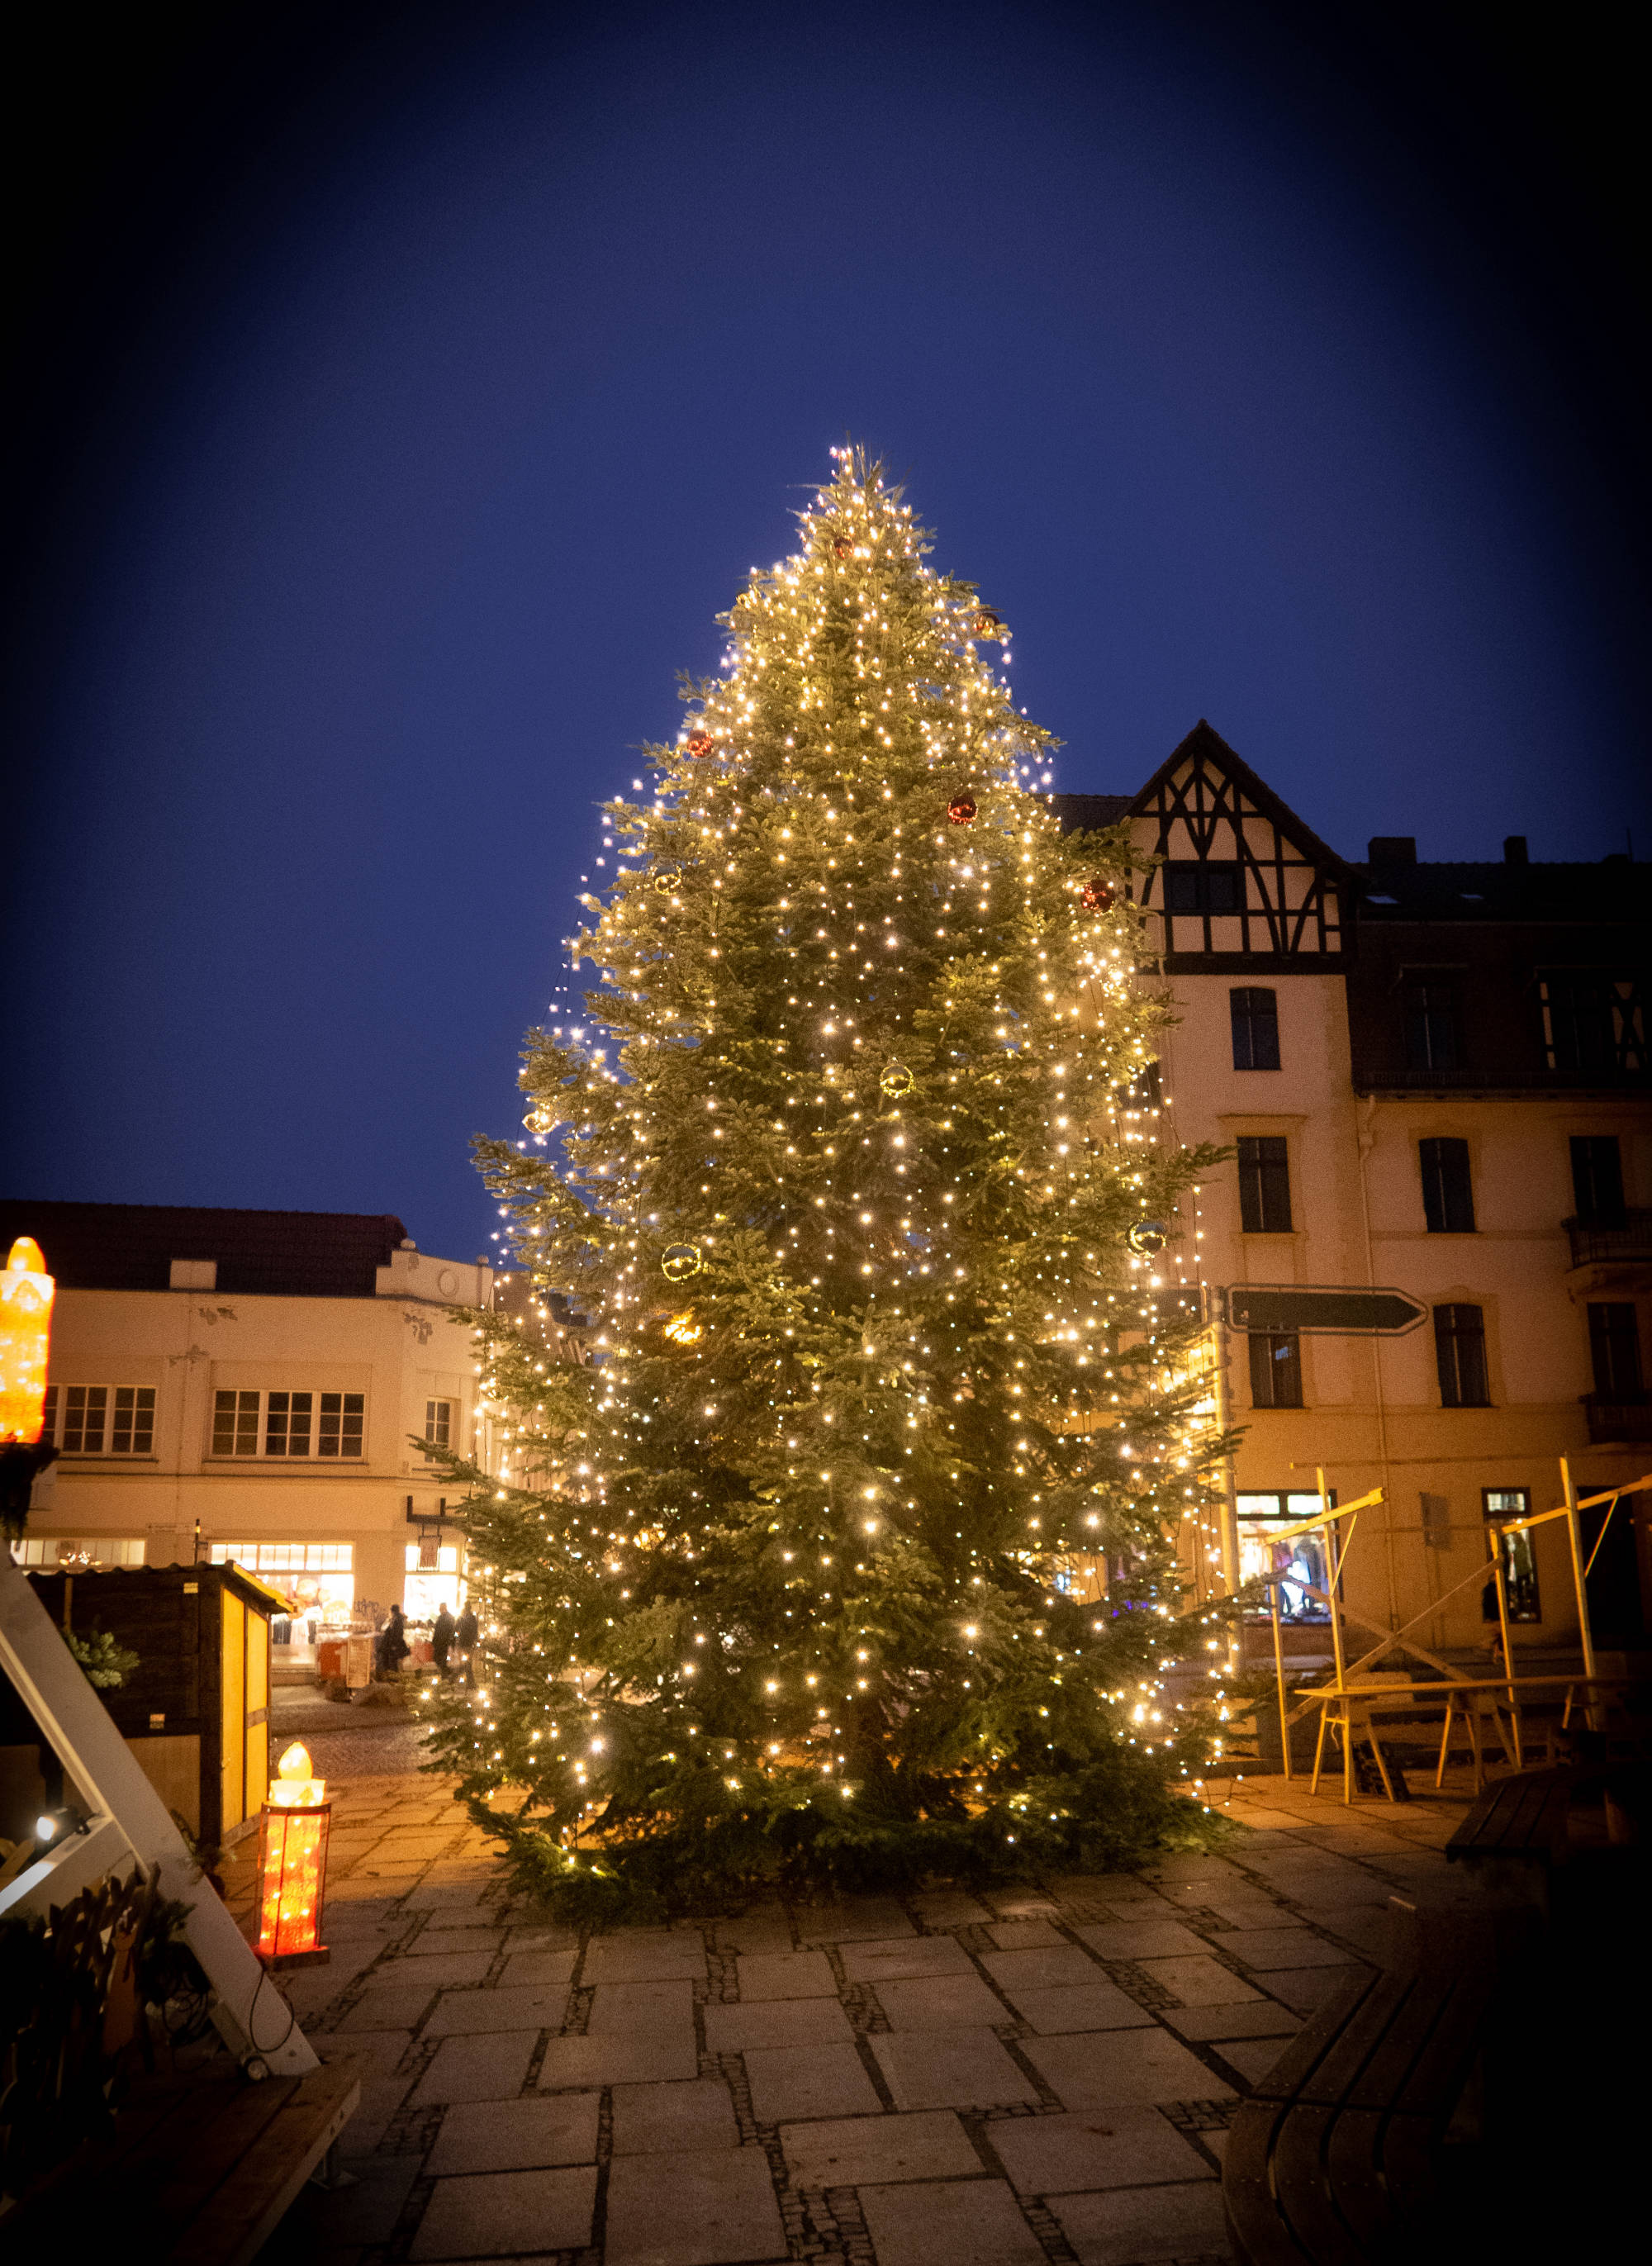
1519,1559
100,1420
288,1424
92,1550
315,1578
433,1558
1300,1564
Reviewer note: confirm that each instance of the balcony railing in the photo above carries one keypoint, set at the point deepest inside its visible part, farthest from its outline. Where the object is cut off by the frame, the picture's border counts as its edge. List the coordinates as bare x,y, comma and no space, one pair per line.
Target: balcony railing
1596,1241
1612,1422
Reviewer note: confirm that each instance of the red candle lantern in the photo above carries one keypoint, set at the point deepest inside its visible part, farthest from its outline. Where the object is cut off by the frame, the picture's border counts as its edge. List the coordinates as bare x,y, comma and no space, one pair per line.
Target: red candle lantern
292,1864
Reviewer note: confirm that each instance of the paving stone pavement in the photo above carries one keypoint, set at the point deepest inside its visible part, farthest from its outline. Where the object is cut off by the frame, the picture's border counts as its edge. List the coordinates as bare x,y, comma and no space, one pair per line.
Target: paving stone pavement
1043,2075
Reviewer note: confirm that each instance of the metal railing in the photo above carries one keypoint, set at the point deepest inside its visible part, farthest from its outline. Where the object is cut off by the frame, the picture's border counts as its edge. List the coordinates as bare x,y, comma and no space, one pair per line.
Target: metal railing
1629,1236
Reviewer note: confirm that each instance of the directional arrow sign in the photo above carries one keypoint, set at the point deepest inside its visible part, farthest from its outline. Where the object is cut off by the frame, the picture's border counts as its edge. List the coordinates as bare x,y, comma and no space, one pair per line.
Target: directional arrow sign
1273,1307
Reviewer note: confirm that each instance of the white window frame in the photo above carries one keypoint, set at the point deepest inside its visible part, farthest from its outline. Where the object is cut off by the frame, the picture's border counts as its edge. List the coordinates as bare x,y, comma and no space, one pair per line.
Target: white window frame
254,1416
140,1403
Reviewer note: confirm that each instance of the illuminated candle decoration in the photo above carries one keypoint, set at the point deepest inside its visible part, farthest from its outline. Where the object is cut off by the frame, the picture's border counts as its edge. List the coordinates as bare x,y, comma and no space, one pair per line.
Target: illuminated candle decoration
25,1329
682,1329
292,1864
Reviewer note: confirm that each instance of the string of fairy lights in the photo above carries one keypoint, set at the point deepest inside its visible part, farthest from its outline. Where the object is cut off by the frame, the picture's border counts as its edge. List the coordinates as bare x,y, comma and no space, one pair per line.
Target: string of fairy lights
847,1143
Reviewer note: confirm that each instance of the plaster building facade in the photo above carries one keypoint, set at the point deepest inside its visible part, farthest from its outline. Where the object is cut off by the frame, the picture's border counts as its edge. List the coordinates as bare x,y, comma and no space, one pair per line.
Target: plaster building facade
1432,1077
250,1386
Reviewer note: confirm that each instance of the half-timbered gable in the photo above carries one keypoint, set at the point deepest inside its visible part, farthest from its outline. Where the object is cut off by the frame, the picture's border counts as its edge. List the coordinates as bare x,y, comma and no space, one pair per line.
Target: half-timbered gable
1244,885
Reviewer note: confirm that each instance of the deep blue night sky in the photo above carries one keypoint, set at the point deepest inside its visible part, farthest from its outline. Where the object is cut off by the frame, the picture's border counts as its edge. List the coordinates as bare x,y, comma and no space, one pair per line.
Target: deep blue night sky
465,372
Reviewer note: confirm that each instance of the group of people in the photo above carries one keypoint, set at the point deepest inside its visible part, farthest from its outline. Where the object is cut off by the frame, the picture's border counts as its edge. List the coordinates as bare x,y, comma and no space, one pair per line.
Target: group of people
390,1646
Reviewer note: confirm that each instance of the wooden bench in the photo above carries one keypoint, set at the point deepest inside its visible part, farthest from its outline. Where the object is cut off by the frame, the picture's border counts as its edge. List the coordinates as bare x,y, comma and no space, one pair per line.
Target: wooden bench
199,2171
1340,2155
1518,1822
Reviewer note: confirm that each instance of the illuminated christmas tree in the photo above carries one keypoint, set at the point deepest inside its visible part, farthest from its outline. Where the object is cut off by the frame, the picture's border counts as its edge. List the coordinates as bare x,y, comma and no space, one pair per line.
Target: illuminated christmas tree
850,1557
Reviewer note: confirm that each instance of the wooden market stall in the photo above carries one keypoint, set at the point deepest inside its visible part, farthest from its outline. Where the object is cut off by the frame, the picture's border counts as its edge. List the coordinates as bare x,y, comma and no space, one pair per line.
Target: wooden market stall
195,1710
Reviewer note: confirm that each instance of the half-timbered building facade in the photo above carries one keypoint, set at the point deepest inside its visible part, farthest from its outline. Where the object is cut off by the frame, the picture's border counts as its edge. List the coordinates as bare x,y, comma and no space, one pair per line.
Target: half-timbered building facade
1432,1077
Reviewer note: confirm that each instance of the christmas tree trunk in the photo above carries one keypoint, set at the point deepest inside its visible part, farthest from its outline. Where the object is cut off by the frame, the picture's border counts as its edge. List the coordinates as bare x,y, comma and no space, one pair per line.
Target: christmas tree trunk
799,1579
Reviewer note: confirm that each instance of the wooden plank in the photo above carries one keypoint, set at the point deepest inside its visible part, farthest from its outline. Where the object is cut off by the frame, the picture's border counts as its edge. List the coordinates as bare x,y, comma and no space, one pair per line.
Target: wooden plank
223,2138
1353,2165
234,2226
1302,2188
1318,2037
1259,2233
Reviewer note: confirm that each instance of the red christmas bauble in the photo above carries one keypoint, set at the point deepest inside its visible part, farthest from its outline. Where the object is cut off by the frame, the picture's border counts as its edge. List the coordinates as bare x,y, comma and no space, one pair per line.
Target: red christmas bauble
699,744
961,809
842,547
1098,896
986,624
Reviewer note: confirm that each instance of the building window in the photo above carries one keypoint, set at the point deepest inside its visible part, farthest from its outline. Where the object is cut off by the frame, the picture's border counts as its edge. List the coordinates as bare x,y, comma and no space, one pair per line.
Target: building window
1299,1564
433,1557
1264,1179
1459,1349
100,1420
1433,1037
1448,1191
1593,1023
288,1423
1519,1557
1275,1371
439,1423
1614,1349
96,1550
1255,1017
1598,1178
1202,886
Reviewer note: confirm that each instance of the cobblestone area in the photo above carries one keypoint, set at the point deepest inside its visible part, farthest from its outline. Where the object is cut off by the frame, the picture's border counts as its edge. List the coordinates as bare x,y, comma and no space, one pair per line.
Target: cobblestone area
1045,2075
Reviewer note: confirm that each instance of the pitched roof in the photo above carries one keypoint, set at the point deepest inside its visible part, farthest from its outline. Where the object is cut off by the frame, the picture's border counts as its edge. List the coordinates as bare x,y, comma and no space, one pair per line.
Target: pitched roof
111,1247
1205,741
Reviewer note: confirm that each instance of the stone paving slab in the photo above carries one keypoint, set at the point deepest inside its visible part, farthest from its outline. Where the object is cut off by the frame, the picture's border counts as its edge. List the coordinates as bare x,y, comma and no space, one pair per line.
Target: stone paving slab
792,2082
1259,2018
1093,2007
649,1957
537,1968
950,2069
517,2136
1065,1968
1135,1939
1115,2068
658,2120
436,1971
1118,2147
719,2209
1279,1947
863,1919
954,2223
634,2060
1305,1988
1026,1935
500,2214
490,2067
854,2152
1139,2227
884,1961
941,2002
786,1975
1198,1981
390,2007
641,2009
457,2011
776,2022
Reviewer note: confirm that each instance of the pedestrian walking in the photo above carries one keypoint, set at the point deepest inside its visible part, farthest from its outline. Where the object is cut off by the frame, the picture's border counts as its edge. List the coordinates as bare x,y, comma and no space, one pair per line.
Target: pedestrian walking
442,1639
392,1646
